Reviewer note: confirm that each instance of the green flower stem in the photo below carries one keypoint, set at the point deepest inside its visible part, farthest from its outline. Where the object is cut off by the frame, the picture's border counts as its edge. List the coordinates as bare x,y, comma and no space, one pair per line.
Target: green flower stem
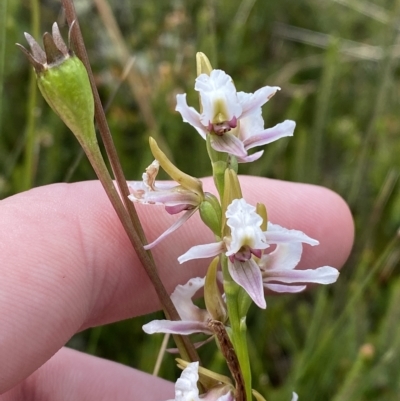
219,164
238,325
125,208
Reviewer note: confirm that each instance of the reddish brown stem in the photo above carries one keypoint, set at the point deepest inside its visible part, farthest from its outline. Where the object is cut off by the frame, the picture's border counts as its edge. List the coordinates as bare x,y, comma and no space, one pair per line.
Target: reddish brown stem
125,209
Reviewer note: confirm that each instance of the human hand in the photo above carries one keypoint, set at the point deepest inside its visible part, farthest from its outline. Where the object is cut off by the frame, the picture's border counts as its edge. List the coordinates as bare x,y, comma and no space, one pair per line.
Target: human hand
67,265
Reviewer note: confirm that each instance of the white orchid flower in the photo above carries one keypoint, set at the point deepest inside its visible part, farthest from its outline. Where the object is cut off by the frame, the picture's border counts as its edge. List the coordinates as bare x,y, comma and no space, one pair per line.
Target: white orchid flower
233,118
275,270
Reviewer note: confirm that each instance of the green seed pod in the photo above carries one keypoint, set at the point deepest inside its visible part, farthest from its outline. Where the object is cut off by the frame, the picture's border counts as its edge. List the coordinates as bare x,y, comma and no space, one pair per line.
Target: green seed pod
63,81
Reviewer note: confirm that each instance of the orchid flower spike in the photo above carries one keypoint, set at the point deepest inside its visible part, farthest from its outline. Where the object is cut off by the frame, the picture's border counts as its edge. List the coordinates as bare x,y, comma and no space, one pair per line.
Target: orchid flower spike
233,118
253,269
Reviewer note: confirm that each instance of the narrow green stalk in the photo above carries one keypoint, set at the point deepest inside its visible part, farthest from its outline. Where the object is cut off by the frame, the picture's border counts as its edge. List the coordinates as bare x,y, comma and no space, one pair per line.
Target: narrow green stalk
238,326
30,160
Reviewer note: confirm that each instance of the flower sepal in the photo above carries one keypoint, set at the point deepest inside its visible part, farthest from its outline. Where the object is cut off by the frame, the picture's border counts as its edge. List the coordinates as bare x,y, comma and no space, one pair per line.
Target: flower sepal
215,304
203,64
191,183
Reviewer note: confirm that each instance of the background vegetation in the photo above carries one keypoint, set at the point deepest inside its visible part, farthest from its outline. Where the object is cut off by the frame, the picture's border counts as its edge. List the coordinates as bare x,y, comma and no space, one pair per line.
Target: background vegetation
338,64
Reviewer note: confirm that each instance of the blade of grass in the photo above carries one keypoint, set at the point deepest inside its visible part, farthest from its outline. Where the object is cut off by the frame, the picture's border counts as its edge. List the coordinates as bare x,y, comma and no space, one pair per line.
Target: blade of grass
322,108
161,354
31,151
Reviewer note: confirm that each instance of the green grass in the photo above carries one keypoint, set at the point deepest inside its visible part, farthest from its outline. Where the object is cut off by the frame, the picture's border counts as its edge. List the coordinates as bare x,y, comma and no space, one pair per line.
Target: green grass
338,65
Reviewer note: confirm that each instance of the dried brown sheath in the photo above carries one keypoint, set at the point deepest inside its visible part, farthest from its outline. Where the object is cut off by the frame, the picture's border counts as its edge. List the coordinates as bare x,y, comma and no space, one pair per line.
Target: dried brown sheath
218,328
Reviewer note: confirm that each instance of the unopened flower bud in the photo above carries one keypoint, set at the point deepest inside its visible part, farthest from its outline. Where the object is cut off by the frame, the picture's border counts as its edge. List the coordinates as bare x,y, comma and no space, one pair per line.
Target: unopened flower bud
210,213
203,64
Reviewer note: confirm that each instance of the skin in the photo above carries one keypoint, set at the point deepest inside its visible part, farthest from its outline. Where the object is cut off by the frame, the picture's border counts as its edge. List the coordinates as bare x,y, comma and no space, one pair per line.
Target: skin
67,265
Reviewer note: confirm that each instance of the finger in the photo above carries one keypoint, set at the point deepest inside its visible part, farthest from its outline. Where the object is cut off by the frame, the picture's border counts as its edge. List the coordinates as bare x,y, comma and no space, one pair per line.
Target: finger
71,375
68,265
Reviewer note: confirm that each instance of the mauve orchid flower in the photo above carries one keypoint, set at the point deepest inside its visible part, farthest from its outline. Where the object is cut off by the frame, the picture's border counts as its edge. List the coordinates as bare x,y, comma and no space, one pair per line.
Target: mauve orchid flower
233,118
186,387
247,240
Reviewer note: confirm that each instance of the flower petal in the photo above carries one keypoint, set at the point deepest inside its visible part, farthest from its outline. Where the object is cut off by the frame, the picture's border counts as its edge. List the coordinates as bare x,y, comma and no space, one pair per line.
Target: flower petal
281,288
218,97
248,275
245,225
182,299
175,196
185,217
176,327
189,114
321,275
269,135
250,158
186,386
284,257
256,99
228,143
276,234
202,251
196,345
